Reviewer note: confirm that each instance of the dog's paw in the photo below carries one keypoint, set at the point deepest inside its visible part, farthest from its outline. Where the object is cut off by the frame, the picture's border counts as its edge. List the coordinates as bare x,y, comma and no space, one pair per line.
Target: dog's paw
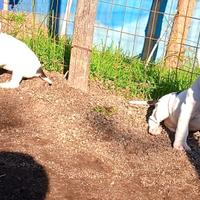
9,85
181,147
155,130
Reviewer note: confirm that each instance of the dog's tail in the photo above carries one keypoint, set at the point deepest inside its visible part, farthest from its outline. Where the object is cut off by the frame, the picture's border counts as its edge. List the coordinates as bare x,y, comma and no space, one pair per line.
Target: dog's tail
142,103
42,75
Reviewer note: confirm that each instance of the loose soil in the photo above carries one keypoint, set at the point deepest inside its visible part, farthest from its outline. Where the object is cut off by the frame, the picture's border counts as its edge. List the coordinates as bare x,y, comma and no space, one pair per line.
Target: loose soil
58,143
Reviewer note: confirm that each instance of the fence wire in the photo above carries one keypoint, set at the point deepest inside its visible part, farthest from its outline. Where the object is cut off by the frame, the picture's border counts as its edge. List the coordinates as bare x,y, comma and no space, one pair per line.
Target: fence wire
139,28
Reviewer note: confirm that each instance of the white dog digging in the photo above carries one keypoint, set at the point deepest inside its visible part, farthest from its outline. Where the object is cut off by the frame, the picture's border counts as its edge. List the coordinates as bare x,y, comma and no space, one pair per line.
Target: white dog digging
17,57
180,113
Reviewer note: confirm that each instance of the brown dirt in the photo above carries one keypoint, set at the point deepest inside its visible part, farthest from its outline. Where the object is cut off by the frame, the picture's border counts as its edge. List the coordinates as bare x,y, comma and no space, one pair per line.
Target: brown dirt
58,143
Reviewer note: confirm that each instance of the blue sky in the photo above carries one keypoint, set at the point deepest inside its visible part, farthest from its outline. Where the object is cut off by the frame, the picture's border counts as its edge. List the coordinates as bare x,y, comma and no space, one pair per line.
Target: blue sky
126,22
130,21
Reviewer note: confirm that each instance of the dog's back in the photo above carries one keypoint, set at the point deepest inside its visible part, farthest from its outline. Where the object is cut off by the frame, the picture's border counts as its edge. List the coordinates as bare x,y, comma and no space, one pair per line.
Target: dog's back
16,55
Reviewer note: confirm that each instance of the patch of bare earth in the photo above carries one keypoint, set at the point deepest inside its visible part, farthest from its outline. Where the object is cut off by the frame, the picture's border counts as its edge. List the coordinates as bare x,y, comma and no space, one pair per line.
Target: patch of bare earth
58,143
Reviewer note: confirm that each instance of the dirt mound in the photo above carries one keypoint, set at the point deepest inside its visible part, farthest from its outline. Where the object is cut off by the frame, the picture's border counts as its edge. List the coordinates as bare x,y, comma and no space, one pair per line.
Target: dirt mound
59,143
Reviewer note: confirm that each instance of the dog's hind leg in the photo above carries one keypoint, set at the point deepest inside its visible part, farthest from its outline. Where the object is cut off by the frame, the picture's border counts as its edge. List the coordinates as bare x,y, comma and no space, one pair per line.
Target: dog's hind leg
14,82
182,129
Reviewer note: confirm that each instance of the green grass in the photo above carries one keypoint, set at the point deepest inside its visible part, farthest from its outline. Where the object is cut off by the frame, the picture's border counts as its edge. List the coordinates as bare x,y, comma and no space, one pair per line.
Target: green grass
105,110
17,18
129,76
53,53
116,70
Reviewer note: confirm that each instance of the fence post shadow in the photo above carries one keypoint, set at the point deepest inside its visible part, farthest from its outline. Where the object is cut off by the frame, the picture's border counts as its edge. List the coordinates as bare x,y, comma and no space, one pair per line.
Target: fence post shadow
67,54
21,177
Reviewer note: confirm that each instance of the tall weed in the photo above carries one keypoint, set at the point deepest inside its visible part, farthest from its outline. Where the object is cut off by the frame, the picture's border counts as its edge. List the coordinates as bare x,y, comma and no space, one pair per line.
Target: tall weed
53,53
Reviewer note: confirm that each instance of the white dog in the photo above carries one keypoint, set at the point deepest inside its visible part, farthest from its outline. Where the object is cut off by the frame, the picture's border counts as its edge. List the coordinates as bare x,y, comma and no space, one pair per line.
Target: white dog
180,113
17,57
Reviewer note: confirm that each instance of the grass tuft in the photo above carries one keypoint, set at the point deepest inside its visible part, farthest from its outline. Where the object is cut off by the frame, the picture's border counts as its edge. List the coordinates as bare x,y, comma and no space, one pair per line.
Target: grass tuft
129,76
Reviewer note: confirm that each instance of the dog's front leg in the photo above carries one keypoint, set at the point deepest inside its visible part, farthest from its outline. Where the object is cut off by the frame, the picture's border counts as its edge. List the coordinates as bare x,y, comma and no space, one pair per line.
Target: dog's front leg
160,113
182,129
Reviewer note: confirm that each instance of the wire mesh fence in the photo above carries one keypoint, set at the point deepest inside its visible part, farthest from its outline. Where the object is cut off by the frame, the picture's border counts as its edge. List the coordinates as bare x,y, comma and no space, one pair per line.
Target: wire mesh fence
136,27
154,31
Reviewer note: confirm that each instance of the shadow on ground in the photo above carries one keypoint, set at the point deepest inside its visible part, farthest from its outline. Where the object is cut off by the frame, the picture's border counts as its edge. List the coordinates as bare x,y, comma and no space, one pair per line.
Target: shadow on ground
11,116
21,177
110,129
194,154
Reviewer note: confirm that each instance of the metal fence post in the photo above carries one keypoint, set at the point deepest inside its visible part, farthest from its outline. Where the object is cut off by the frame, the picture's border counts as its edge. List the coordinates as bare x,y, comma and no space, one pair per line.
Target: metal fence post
5,5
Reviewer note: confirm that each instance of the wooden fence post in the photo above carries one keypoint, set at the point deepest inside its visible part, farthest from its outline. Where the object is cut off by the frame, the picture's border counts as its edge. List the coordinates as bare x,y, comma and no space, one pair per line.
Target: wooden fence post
82,44
176,44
